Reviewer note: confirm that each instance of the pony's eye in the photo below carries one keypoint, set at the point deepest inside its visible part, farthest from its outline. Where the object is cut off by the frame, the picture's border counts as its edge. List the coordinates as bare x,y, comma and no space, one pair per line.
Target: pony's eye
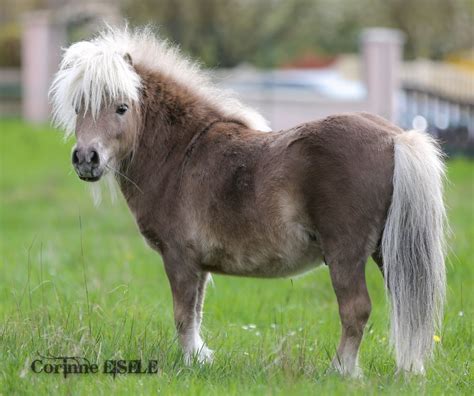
122,109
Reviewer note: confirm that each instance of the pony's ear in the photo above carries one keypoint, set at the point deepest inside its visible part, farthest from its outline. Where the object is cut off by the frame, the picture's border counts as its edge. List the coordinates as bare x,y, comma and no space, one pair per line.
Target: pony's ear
128,59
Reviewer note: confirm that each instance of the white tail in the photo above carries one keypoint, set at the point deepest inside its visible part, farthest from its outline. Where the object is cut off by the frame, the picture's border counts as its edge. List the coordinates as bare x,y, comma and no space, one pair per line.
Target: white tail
413,248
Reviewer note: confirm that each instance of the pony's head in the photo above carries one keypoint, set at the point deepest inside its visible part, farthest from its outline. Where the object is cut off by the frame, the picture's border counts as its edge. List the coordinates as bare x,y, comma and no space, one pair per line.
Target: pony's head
95,95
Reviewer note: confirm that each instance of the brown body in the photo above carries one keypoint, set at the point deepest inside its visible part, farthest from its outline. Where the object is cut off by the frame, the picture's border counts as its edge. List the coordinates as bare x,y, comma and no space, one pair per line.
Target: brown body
243,202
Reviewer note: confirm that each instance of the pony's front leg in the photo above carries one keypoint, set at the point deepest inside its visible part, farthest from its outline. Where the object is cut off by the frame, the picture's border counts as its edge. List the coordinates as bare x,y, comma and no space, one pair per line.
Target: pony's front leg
187,285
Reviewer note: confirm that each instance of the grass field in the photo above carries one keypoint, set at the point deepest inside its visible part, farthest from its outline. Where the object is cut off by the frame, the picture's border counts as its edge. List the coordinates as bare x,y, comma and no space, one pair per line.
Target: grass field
108,298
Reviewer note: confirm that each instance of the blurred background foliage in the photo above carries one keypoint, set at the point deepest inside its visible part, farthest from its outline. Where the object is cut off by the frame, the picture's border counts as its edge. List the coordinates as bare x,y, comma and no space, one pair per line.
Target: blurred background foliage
269,33
10,49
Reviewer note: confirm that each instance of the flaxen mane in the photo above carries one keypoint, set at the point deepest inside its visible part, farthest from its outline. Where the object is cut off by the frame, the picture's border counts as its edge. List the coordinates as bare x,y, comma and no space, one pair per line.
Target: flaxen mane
97,71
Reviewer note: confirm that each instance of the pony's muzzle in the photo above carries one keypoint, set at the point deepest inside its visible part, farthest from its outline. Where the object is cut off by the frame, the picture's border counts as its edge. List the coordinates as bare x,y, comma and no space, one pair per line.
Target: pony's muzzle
86,162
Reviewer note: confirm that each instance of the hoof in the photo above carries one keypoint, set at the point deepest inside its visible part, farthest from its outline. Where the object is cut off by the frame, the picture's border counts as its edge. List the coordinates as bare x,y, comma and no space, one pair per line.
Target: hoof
351,372
203,356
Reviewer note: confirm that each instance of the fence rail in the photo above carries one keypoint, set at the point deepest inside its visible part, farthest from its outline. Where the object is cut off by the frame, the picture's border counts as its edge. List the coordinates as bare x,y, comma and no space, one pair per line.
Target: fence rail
449,119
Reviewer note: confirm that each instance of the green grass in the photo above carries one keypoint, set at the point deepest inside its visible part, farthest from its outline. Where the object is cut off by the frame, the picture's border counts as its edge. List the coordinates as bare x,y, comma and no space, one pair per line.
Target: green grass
113,301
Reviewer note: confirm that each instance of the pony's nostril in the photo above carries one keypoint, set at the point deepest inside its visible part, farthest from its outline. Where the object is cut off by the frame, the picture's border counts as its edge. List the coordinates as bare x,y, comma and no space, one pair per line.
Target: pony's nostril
75,157
94,158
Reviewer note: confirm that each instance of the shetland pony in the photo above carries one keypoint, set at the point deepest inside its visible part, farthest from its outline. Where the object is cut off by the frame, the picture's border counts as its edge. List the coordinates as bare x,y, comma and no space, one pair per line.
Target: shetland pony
213,190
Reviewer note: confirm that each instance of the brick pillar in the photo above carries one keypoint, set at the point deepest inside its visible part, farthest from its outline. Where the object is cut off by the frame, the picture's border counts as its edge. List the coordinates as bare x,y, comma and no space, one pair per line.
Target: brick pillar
382,51
42,39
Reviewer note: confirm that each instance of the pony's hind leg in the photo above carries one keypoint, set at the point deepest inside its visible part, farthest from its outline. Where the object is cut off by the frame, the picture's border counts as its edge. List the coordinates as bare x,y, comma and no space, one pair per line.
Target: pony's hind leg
348,279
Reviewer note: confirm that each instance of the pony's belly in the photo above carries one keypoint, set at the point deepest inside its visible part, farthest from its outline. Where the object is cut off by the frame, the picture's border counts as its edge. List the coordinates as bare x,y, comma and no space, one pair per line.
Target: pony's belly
285,247
260,264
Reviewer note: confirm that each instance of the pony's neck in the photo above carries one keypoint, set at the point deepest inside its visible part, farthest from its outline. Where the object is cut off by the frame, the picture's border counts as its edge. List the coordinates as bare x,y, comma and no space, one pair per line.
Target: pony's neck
171,116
